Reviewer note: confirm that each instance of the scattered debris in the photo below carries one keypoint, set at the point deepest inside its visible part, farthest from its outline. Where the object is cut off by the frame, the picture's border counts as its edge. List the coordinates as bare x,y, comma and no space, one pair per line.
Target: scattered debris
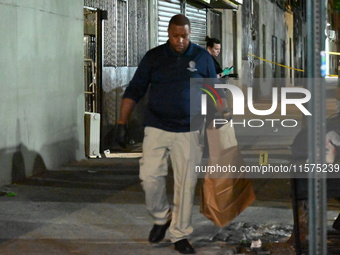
107,152
259,239
256,244
7,194
245,233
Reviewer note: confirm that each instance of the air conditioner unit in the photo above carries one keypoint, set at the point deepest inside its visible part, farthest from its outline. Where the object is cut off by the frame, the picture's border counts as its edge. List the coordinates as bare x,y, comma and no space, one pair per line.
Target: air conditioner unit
92,134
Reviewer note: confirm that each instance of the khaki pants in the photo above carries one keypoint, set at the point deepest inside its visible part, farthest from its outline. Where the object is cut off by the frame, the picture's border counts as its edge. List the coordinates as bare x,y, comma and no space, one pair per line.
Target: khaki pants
185,152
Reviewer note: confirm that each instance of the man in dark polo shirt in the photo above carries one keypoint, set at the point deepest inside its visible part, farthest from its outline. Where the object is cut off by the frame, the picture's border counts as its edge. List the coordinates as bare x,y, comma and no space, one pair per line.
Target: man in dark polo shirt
166,71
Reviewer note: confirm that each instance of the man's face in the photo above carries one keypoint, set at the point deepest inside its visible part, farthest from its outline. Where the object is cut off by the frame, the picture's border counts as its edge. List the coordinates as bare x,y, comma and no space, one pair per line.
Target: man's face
179,37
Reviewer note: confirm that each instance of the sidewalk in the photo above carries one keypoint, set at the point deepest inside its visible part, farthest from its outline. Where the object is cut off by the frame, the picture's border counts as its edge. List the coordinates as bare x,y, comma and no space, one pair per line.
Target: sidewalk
97,207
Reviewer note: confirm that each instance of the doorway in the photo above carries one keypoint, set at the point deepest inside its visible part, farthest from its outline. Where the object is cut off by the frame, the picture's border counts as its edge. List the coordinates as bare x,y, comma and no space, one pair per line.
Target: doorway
92,79
215,24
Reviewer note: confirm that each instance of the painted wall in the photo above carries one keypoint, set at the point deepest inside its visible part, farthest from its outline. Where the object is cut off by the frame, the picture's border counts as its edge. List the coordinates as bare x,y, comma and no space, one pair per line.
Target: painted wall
42,101
263,23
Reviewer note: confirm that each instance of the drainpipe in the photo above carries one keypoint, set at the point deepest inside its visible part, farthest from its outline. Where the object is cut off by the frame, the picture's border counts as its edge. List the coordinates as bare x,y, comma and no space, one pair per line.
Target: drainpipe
235,46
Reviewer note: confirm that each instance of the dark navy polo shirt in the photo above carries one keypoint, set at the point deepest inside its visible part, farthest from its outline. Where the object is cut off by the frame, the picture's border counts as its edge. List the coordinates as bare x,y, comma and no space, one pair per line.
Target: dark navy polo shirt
172,105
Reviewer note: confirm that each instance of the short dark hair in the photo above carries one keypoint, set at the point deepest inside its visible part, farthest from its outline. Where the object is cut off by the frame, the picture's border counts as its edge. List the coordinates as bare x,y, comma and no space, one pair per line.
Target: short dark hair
211,41
179,20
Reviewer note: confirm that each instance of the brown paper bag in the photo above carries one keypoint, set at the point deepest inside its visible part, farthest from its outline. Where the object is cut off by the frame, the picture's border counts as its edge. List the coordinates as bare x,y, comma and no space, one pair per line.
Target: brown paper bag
224,195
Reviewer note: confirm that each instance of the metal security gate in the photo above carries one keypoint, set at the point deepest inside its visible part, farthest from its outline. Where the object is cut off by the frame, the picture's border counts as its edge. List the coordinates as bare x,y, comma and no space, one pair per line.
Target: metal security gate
198,20
197,17
165,11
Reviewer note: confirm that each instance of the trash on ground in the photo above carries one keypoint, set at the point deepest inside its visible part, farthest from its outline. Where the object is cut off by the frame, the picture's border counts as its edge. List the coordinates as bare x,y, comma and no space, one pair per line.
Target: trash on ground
7,194
256,244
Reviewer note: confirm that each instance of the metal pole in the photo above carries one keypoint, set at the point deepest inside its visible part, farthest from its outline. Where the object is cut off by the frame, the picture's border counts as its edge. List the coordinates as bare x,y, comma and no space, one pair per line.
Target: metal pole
317,189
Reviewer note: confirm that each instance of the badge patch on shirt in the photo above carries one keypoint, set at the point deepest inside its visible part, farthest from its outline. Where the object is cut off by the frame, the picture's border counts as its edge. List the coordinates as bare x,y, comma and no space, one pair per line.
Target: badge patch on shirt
192,66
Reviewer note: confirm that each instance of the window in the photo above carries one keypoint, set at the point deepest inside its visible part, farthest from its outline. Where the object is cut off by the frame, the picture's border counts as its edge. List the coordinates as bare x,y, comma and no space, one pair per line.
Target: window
274,54
264,48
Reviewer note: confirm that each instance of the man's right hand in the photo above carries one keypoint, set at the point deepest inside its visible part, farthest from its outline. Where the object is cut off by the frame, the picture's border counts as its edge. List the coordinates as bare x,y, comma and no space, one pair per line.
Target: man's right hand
121,135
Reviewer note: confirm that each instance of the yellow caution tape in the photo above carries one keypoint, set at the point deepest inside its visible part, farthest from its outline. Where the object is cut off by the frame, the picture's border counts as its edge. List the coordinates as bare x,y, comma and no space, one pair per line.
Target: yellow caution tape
300,70
332,53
